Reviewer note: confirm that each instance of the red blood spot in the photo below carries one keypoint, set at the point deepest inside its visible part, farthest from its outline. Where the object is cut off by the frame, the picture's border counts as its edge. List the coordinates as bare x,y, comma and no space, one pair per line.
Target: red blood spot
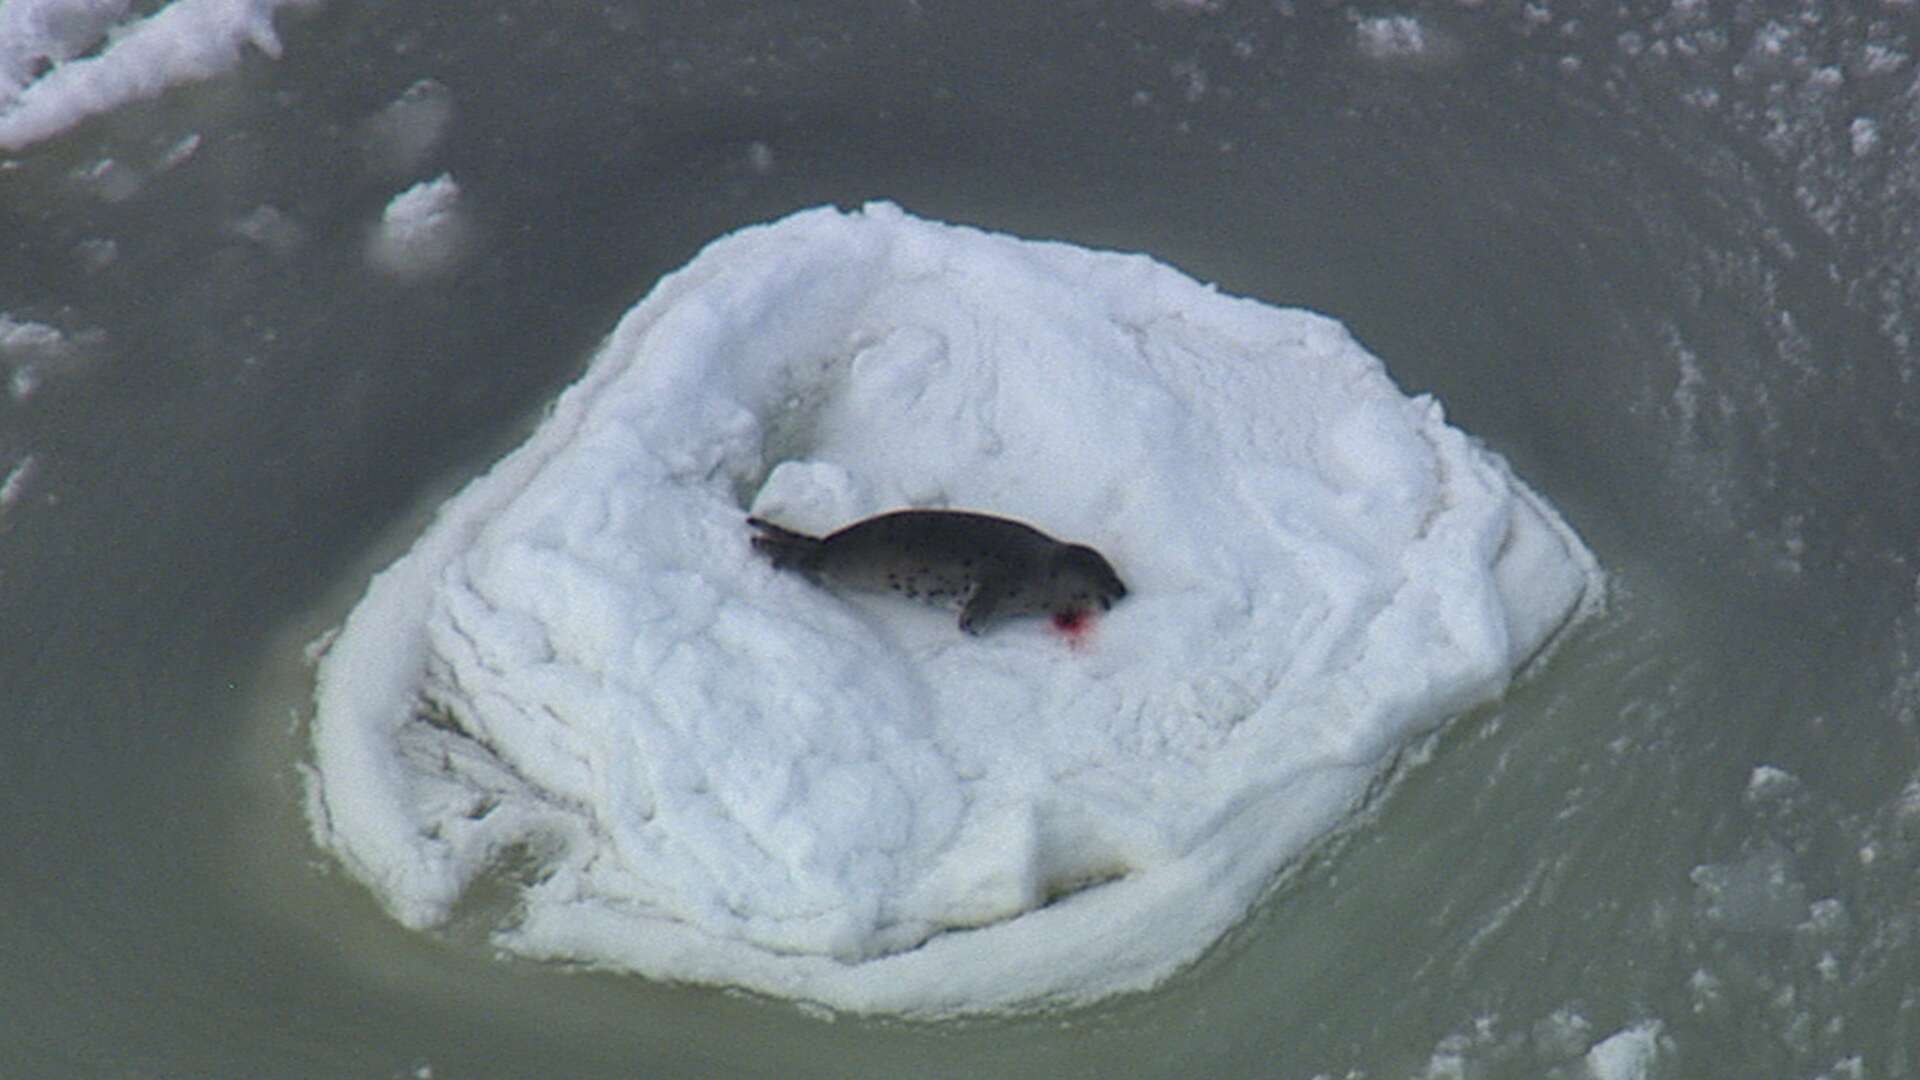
1074,626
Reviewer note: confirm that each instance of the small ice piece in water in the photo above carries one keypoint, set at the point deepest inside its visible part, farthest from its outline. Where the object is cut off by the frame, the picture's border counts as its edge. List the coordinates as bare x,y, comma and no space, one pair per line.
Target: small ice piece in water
1864,135
109,180
401,138
1401,38
1408,42
178,154
1387,36
1629,1054
29,351
14,484
1563,1034
726,775
1769,782
31,342
271,229
422,232
1826,918
1758,893
96,254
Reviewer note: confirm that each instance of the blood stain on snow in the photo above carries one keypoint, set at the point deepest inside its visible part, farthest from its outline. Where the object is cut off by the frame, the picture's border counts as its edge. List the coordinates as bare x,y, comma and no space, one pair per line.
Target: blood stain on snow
1075,626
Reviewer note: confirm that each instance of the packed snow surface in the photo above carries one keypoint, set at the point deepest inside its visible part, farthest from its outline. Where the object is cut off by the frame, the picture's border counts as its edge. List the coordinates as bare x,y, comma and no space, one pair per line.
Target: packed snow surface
583,681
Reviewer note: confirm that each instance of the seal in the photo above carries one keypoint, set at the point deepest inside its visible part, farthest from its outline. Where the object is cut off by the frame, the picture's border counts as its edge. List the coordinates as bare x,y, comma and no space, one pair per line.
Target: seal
989,567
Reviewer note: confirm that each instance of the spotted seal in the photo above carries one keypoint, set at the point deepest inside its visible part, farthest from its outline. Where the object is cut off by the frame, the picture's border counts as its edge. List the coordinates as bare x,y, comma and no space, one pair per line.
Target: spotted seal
989,567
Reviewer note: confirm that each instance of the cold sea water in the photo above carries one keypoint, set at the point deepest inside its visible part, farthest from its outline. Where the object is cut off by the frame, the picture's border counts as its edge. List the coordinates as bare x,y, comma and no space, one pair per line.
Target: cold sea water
1662,257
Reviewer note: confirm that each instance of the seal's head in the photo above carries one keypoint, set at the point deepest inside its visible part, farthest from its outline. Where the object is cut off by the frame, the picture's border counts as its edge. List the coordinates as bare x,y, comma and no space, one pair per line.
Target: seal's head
1080,579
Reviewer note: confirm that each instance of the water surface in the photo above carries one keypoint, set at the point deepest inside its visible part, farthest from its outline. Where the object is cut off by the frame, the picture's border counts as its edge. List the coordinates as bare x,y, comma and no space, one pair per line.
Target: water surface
1665,265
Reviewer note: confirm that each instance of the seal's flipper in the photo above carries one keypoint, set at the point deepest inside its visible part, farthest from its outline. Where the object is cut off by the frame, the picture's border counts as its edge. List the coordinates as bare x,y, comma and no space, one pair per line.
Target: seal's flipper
983,602
786,549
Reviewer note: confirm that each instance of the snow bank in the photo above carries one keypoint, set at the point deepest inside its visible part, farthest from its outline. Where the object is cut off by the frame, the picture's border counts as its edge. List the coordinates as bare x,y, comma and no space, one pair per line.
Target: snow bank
583,680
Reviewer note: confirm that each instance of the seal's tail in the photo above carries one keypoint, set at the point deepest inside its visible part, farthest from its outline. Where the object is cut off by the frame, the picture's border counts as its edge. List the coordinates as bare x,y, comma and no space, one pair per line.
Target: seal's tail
787,549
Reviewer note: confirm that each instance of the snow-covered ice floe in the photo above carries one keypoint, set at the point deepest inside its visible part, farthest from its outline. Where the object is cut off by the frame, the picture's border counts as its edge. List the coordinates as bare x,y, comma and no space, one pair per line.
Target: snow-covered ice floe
582,679
48,82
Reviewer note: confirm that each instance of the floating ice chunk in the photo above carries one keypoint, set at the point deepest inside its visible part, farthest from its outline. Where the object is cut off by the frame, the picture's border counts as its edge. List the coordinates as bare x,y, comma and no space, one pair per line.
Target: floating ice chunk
95,254
721,773
1629,1054
184,41
1386,37
14,484
109,180
1826,918
1562,1034
1758,893
1406,42
422,231
268,227
1769,782
26,342
31,351
180,152
402,137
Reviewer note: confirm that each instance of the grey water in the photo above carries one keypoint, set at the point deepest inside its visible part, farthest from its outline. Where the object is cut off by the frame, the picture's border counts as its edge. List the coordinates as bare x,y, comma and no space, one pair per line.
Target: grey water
1663,257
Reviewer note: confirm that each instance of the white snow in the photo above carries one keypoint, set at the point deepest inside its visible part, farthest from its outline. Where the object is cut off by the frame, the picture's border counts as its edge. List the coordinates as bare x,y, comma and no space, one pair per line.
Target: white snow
581,677
47,85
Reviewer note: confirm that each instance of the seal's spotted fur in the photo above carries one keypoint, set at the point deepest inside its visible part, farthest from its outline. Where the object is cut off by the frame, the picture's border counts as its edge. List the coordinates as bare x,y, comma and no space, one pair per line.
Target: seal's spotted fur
989,567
